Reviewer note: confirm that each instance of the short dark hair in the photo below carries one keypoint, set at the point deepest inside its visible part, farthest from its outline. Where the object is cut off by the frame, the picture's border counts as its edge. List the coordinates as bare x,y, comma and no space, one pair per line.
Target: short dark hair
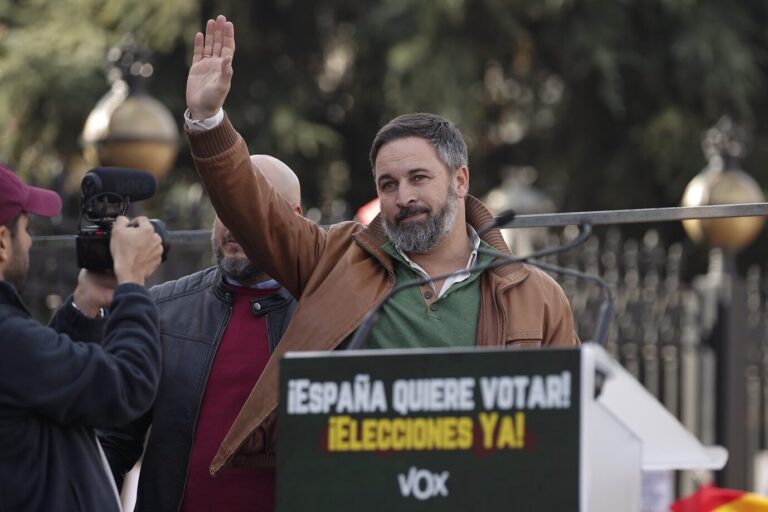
13,225
438,131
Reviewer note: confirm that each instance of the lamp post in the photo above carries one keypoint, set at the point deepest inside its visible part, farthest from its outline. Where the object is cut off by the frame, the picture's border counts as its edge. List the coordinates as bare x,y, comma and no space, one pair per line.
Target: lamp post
723,182
723,292
128,127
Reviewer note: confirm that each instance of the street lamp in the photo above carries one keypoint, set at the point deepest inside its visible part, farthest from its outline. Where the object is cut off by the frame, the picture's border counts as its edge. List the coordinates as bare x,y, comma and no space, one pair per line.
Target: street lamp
723,182
128,127
723,293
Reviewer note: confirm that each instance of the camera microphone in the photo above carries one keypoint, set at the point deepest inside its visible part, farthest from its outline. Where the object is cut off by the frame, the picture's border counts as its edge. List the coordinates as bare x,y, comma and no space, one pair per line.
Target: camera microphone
107,192
131,184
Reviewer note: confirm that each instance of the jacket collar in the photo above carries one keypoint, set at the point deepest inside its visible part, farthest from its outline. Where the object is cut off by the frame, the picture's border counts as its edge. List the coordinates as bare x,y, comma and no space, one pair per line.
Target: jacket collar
9,295
223,290
373,237
220,288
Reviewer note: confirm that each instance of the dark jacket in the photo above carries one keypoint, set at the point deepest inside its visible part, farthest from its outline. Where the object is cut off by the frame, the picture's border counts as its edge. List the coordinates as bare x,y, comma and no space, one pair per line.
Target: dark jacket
340,274
54,391
194,311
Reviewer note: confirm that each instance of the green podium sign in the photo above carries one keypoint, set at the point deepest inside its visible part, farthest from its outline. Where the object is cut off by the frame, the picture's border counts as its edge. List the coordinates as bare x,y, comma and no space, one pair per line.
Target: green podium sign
429,430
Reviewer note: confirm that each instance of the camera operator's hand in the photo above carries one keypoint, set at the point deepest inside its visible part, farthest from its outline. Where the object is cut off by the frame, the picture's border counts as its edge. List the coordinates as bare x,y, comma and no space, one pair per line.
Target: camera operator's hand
94,291
211,73
136,249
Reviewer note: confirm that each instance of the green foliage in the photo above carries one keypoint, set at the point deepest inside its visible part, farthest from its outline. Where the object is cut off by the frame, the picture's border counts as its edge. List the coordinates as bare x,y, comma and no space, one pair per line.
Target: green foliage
607,100
52,57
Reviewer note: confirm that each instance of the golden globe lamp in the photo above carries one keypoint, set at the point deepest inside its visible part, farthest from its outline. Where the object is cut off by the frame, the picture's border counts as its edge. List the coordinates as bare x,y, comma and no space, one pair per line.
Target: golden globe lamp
721,183
132,130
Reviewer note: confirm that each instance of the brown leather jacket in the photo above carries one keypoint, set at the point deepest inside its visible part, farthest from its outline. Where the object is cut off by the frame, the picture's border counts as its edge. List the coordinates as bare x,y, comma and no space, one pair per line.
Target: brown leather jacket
340,274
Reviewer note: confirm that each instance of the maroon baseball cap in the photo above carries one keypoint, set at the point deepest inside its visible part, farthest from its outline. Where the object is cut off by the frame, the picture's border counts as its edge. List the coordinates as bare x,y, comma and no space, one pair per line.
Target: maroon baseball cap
16,197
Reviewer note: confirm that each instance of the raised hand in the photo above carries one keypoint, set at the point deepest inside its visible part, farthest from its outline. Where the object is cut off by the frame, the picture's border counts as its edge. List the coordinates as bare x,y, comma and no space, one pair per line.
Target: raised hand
211,73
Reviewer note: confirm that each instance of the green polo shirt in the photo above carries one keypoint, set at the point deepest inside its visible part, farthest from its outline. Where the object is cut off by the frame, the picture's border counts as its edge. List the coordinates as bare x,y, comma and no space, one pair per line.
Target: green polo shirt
417,318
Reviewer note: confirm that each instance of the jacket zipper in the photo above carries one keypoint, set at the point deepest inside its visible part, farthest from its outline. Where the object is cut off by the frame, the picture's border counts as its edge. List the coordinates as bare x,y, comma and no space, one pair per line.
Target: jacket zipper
219,334
272,346
271,343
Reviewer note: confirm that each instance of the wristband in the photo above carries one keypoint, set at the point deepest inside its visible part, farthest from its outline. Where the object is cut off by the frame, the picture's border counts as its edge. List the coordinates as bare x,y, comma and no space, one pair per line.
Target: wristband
101,314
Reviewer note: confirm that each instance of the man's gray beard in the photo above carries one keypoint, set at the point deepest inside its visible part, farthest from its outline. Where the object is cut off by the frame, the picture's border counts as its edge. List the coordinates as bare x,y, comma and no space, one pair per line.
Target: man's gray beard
239,269
420,238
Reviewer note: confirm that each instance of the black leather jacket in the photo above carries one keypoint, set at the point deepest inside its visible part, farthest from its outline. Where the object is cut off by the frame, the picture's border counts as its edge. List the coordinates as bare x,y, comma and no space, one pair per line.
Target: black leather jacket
194,311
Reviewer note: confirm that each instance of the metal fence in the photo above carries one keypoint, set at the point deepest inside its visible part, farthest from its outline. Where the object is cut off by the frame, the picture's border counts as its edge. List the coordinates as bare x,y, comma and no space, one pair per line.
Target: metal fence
665,329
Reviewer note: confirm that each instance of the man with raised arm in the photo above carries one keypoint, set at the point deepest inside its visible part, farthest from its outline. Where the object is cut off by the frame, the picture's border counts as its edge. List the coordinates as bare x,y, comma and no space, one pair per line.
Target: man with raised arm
428,226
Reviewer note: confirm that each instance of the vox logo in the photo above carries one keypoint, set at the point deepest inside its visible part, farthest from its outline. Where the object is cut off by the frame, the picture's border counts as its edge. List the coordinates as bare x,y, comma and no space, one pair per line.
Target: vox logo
423,484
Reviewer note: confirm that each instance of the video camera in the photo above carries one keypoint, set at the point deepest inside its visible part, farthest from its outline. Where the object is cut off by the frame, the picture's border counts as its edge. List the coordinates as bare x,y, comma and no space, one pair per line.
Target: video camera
107,192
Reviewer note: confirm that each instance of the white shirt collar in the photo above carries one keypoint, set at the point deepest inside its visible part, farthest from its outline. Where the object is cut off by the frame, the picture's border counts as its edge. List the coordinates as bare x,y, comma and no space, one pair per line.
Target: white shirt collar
474,240
270,283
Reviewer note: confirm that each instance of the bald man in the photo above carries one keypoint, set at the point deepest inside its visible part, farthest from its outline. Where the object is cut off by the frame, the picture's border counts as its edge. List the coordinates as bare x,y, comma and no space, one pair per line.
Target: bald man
218,329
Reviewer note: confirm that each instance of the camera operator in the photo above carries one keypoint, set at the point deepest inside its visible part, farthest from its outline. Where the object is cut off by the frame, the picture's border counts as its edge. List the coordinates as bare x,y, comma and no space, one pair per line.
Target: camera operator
54,390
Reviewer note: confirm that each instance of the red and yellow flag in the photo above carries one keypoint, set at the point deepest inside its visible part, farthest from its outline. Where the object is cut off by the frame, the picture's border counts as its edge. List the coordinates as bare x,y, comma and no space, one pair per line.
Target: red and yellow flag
714,499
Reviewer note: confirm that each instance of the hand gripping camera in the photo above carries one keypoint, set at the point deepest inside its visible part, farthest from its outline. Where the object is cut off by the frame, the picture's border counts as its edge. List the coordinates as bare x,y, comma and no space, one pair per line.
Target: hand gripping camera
107,192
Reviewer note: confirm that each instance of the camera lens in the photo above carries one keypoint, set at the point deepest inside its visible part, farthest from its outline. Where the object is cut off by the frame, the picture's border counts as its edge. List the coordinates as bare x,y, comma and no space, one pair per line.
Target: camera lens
91,185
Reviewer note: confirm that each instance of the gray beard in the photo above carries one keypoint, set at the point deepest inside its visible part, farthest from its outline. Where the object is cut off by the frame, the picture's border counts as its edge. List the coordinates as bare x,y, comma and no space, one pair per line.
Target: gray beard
421,238
239,269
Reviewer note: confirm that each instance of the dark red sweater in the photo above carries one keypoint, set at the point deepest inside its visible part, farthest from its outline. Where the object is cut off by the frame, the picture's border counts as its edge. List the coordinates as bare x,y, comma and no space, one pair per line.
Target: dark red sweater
242,354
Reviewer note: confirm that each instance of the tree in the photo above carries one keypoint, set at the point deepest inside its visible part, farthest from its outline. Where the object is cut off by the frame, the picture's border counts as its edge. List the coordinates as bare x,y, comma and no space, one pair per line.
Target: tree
606,101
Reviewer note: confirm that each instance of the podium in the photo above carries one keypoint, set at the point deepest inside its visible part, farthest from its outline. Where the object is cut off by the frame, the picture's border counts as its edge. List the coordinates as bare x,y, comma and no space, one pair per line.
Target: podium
467,429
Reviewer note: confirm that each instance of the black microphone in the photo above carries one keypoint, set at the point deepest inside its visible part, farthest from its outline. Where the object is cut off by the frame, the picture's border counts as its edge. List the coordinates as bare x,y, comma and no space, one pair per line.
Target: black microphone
499,222
131,184
362,333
